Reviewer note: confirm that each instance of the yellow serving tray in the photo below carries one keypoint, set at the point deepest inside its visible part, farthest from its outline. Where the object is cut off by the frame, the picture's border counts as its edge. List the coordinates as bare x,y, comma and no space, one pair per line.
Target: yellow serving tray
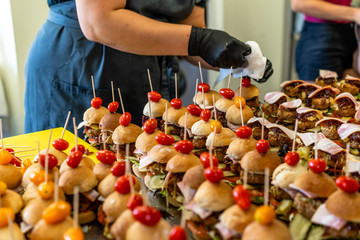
30,141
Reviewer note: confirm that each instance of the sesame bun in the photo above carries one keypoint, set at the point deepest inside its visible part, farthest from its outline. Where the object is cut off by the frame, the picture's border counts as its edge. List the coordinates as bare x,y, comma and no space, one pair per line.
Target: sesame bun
102,170
33,168
194,177
190,120
320,184
94,115
224,138
60,156
182,162
173,115
256,162
285,174
128,134
115,205
223,104
106,186
85,162
79,176
31,193
233,114
239,147
236,219
157,108
45,231
248,92
344,205
275,231
15,234
201,128
145,141
11,199
140,231
208,98
122,224
110,121
214,196
32,213
162,153
10,175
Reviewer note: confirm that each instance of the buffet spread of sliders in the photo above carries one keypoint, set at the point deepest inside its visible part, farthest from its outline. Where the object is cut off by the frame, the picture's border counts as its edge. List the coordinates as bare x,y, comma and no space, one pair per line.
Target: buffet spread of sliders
230,166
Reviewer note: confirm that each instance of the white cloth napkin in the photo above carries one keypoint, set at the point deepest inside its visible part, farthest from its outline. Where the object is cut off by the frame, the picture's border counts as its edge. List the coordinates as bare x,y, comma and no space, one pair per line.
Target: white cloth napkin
256,67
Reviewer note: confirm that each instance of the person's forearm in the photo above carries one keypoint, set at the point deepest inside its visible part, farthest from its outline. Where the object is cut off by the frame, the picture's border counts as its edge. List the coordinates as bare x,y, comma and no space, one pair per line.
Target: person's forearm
108,23
325,10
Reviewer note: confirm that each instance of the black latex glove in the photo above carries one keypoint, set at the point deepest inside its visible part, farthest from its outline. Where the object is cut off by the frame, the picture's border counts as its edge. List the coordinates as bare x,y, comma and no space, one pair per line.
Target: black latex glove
218,48
268,72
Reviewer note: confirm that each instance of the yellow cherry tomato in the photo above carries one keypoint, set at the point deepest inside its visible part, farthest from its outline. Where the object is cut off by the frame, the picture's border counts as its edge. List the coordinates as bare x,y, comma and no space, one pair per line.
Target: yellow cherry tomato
3,187
46,190
5,157
25,164
4,213
74,234
215,124
37,177
56,212
265,215
238,100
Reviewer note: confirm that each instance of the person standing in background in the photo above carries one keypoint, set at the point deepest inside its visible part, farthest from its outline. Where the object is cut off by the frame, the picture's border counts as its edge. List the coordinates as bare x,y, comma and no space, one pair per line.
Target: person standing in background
327,39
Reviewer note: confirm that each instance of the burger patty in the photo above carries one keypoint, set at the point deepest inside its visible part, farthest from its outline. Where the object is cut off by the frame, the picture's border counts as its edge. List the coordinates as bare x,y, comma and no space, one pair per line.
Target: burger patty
157,168
321,103
256,130
287,115
182,130
307,206
172,129
350,88
349,231
277,138
234,166
346,108
220,153
253,102
220,115
199,142
158,119
91,132
355,140
325,81
122,149
330,131
253,178
279,193
270,109
307,120
336,161
200,228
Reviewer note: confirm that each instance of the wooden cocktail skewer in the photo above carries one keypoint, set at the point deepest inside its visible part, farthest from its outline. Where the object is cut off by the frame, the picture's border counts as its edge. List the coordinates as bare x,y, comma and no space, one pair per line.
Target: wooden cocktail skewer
197,81
214,107
112,91
66,122
166,117
28,150
93,86
121,101
176,91
266,189
211,149
76,207
27,155
241,114
185,129
294,140
76,134
151,87
11,227
128,172
201,76
203,97
241,78
47,158
315,145
150,115
56,182
347,160
262,126
229,77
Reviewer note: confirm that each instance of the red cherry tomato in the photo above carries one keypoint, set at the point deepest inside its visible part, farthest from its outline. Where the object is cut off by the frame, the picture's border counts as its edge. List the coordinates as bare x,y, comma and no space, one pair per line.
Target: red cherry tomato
176,103
204,86
118,169
52,160
96,102
81,148
147,215
177,233
13,160
292,158
134,201
347,184
227,93
262,145
150,125
205,114
113,106
74,159
154,96
242,197
122,184
317,165
106,156
205,160
194,109
164,139
60,144
125,119
214,174
184,146
243,132
246,82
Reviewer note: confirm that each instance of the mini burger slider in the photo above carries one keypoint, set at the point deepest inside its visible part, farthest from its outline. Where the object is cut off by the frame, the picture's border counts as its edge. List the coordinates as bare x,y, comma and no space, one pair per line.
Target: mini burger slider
255,124
322,98
208,96
251,94
201,130
351,85
223,104
344,106
271,105
173,116
233,114
326,78
107,125
332,154
287,112
157,105
329,127
288,87
280,137
307,118
221,142
350,133
191,118
302,91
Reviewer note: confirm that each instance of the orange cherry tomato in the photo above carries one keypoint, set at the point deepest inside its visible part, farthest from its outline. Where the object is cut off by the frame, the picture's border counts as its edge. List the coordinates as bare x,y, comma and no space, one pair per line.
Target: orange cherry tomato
25,164
37,177
4,213
265,215
46,190
3,187
238,100
74,234
5,157
216,125
56,212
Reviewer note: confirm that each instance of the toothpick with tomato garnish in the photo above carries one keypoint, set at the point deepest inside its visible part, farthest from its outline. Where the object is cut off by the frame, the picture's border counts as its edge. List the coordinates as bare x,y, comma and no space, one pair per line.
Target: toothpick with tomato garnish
229,77
266,187
128,171
347,174
166,117
176,91
214,111
121,101
47,158
185,129
201,76
315,145
151,87
56,189
76,207
65,125
60,143
150,115
196,85
76,134
93,85
11,227
75,232
294,140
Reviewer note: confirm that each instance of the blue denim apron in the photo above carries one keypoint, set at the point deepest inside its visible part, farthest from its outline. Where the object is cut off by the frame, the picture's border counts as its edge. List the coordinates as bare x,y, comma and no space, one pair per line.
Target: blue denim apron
59,68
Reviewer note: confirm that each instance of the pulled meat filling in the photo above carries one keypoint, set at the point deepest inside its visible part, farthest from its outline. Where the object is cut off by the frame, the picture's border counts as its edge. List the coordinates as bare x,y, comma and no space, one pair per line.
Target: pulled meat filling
256,130
307,206
122,149
346,108
325,81
277,138
329,129
158,119
221,117
287,115
172,128
336,161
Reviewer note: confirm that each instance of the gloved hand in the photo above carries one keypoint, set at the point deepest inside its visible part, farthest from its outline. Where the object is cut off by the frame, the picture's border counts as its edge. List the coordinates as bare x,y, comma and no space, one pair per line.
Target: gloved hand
268,72
218,48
